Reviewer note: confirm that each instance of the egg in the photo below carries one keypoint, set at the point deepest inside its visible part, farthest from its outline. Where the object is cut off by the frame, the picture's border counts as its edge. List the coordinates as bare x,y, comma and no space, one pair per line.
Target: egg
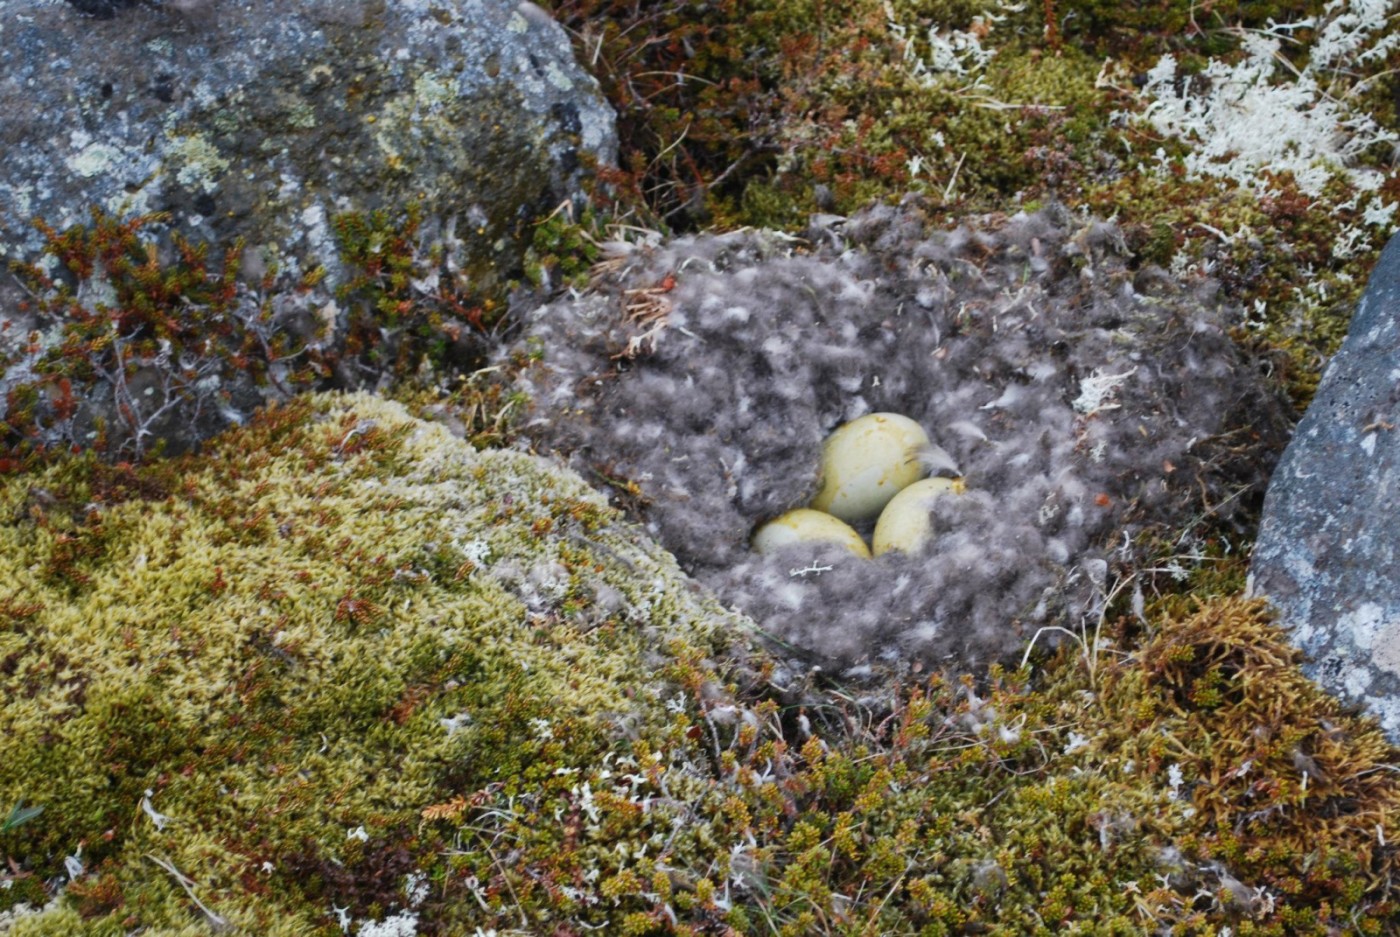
905,524
867,462
807,526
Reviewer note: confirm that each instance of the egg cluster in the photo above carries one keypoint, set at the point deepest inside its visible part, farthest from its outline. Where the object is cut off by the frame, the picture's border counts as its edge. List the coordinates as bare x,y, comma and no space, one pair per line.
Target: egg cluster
871,468
1088,403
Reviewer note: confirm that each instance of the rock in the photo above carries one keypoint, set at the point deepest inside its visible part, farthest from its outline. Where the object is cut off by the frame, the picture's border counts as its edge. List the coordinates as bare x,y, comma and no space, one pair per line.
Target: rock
1328,552
283,116
260,125
102,9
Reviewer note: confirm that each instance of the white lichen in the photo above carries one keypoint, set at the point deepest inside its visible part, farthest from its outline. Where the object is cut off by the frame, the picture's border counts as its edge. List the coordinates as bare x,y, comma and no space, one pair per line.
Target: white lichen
943,53
1256,115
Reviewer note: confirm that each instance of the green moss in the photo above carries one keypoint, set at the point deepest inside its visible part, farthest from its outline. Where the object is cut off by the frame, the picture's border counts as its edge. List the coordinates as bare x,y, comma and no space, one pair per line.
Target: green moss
408,312
133,346
112,310
282,677
562,250
342,650
1116,29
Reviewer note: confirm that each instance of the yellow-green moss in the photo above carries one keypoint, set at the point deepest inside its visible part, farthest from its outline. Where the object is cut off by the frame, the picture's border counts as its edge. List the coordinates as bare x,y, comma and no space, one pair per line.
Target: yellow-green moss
267,638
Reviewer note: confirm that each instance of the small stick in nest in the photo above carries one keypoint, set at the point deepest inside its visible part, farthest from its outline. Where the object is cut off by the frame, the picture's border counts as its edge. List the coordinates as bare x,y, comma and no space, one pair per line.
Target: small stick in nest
648,307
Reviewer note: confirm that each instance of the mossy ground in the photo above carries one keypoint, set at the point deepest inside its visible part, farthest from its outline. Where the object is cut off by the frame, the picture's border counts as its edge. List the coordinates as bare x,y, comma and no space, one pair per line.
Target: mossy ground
261,644
232,671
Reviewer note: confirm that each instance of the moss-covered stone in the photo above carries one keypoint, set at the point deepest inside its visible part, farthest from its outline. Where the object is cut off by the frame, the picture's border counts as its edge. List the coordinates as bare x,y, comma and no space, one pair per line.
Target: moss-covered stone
330,621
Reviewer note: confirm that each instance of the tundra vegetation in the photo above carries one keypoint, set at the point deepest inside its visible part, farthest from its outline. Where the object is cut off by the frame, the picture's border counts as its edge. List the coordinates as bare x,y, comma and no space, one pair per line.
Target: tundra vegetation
356,666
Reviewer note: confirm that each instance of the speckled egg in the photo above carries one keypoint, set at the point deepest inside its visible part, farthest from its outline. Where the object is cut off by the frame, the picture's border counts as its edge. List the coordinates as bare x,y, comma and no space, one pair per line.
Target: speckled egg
807,526
906,523
867,462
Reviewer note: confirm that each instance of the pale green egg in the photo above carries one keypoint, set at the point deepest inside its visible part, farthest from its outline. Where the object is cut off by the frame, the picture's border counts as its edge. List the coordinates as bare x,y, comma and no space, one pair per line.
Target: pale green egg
867,462
906,523
807,526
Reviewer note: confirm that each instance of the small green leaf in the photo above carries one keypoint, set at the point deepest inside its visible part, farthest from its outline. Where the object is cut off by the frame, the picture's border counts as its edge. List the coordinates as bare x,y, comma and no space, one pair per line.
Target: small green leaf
19,815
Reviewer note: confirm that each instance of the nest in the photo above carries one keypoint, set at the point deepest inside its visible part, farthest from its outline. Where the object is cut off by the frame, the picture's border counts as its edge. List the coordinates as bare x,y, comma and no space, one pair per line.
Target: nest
1090,405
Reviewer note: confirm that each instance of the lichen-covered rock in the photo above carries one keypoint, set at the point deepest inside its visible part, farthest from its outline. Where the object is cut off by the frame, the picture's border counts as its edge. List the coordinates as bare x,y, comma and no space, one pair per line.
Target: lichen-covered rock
1328,552
261,120
259,666
1086,403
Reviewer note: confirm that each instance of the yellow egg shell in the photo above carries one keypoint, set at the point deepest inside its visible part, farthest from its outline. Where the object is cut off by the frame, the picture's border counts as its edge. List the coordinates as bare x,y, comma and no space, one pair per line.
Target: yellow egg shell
866,462
807,526
905,523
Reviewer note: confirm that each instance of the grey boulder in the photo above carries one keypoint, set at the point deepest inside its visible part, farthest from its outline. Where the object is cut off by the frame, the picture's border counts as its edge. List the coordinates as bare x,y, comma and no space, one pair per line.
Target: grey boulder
263,120
283,128
1328,552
